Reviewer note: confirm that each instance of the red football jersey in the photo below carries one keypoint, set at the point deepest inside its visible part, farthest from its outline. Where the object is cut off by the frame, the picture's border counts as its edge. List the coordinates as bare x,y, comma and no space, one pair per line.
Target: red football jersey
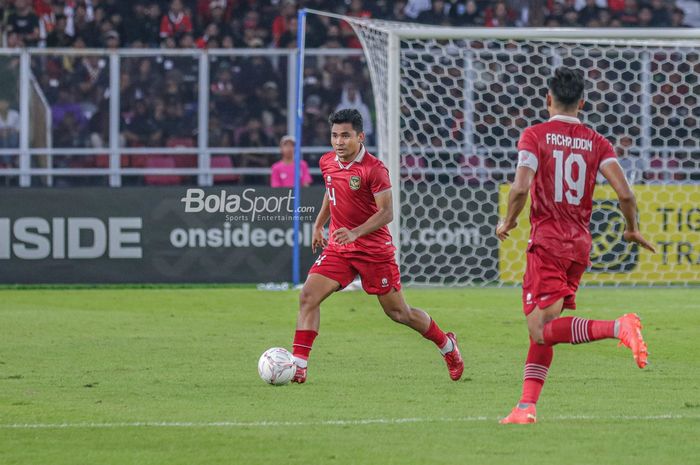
566,156
351,189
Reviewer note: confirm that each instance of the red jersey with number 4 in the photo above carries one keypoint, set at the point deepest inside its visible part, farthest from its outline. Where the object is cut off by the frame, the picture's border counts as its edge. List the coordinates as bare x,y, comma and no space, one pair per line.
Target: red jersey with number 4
351,189
566,156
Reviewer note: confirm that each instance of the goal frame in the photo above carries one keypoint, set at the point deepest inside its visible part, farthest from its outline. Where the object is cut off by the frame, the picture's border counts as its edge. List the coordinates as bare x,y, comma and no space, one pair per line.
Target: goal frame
397,31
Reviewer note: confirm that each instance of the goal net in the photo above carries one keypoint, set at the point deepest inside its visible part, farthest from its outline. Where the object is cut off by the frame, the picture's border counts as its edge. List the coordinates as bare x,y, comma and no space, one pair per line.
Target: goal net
451,104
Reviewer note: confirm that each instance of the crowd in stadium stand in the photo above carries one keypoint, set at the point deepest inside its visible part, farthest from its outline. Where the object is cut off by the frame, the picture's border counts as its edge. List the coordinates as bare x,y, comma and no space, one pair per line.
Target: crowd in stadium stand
248,95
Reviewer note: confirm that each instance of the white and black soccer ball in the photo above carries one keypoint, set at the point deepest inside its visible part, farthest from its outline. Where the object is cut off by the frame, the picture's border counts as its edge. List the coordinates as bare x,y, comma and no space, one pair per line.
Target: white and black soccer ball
276,366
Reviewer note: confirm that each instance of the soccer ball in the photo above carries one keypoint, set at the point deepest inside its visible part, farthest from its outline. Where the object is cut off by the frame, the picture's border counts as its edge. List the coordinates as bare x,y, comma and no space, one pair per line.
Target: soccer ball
276,366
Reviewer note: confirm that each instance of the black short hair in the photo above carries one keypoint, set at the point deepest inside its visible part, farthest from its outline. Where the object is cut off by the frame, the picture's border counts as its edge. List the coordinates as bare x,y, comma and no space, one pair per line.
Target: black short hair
566,86
347,115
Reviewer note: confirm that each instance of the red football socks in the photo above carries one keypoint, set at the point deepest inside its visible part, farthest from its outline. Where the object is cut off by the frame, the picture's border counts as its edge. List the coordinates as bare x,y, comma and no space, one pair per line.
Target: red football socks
574,330
539,358
435,334
303,340
569,329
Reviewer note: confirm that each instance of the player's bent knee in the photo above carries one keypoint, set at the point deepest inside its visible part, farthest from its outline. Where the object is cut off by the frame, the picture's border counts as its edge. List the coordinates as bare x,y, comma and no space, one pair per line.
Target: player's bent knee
398,314
308,300
537,335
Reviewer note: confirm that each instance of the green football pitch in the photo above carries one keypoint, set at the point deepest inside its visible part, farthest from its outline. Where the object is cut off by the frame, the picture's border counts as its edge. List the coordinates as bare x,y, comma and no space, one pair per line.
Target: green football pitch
168,376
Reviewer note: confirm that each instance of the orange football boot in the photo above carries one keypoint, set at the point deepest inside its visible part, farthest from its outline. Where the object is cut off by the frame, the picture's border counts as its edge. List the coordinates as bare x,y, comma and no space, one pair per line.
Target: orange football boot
521,416
630,335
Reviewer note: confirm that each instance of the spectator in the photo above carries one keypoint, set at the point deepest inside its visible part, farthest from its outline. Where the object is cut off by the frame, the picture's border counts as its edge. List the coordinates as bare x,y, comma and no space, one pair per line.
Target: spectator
604,17
91,79
177,123
416,7
469,15
435,15
205,10
629,17
139,26
4,12
691,11
85,27
58,37
98,126
660,14
332,37
65,105
138,126
70,10
289,38
176,21
570,18
218,17
500,16
351,98
221,90
269,107
44,10
24,22
280,25
111,40
153,24
646,17
356,10
616,6
678,18
211,34
282,174
399,11
250,30
589,12
9,129
254,136
252,70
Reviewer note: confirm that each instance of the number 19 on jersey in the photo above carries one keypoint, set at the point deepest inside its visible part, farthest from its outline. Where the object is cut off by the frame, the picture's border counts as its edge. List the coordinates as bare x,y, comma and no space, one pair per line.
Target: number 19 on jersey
563,172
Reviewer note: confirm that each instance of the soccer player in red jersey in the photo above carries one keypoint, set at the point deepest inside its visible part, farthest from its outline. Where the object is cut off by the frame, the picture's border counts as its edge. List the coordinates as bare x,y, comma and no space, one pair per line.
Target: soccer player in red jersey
557,164
358,202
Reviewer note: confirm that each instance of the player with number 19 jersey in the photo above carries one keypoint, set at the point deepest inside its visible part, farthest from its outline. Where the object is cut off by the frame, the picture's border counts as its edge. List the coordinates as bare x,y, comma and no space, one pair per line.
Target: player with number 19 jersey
558,162
566,156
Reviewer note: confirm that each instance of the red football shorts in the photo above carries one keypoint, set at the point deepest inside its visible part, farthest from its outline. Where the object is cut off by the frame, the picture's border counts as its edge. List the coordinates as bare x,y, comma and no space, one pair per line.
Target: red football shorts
548,279
377,277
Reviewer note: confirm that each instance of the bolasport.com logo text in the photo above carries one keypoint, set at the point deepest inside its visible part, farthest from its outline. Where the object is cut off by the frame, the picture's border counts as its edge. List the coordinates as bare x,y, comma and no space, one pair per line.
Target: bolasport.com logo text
246,206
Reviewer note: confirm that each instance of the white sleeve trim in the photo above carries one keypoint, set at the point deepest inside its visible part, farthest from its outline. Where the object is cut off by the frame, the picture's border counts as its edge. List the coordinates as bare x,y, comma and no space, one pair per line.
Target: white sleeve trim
528,160
382,191
606,161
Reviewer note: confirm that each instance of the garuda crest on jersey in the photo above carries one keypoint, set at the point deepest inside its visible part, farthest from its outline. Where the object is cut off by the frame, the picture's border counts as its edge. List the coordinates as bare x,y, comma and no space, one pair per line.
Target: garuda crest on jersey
354,182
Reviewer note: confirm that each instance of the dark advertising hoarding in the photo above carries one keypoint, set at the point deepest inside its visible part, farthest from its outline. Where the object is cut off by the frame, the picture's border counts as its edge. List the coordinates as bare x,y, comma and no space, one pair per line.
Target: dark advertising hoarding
152,235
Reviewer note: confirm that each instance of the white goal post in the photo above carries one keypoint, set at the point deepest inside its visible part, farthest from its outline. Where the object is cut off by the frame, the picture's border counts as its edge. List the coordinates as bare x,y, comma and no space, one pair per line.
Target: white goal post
451,103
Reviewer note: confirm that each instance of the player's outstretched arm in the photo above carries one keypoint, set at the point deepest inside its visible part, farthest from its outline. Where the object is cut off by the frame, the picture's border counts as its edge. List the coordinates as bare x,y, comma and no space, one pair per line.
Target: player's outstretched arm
384,216
317,240
628,203
517,198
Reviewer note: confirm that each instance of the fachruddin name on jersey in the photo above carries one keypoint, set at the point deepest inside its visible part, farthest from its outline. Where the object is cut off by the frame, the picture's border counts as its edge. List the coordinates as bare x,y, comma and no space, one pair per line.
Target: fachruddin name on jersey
573,143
